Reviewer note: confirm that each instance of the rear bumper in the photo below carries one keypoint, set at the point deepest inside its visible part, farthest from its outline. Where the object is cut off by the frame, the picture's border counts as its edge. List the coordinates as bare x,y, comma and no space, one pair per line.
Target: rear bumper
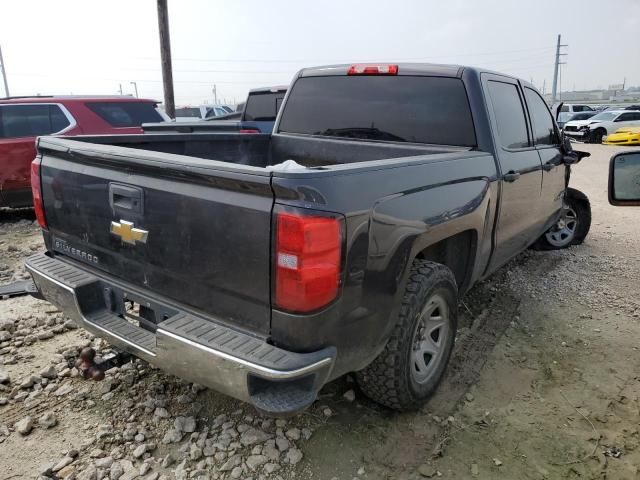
198,349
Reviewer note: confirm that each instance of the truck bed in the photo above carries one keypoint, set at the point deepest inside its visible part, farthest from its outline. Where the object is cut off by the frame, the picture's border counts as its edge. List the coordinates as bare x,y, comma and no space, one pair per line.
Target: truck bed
259,150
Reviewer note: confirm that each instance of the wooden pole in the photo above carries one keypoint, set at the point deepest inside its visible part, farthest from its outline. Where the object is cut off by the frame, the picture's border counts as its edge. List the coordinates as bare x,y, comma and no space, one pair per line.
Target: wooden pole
165,55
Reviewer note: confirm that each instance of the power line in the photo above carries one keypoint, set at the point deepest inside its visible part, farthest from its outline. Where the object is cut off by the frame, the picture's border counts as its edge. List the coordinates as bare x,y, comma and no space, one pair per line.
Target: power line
307,61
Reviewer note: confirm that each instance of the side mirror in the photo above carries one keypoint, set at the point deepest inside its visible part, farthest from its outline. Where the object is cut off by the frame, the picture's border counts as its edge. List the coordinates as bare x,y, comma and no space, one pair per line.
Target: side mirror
571,156
624,179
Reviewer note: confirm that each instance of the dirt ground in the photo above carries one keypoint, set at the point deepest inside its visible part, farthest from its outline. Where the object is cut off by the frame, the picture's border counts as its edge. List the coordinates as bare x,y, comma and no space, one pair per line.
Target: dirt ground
544,384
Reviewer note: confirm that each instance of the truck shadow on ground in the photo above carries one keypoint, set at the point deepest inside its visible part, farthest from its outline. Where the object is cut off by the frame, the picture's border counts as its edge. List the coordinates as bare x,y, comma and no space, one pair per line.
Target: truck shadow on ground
390,443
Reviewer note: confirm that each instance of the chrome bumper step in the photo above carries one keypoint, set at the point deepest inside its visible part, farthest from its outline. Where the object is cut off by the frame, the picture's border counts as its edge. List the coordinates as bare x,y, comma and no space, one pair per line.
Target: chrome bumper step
196,348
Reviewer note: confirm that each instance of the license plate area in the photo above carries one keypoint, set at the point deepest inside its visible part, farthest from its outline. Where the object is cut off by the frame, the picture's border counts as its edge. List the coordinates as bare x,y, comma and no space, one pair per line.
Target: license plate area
135,309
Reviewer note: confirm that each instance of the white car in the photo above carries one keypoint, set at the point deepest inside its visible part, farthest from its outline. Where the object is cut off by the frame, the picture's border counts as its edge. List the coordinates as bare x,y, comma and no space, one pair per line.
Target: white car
190,114
599,126
569,108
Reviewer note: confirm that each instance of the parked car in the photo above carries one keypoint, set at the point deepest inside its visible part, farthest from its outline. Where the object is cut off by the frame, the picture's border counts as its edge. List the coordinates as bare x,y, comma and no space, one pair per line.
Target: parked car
259,115
565,117
623,107
571,108
624,136
22,119
624,179
266,265
599,126
200,112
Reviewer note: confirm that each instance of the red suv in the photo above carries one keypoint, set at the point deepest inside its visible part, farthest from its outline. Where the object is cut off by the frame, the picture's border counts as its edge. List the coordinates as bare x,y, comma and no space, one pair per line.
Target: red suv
22,119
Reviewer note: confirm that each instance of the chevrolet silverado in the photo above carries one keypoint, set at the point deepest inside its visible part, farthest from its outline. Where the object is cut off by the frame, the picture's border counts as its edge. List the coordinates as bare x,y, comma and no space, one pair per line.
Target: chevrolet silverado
265,265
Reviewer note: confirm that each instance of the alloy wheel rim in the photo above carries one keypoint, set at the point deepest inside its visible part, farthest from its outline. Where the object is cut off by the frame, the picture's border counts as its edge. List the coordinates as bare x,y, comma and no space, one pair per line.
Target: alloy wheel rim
429,339
564,231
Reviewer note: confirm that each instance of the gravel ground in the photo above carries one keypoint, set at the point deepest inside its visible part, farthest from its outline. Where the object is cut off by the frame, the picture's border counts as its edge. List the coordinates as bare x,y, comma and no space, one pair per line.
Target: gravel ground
543,384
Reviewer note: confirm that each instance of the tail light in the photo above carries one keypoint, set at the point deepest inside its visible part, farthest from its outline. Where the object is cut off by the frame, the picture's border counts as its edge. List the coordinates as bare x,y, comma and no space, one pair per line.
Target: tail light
249,130
308,257
37,193
379,69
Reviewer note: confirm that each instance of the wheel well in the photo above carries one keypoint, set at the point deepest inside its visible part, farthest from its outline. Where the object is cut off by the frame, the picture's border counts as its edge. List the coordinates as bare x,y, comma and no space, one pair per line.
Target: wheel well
457,253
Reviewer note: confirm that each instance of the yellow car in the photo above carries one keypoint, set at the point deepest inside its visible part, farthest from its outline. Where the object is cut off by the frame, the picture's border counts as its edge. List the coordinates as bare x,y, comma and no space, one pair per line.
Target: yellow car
624,136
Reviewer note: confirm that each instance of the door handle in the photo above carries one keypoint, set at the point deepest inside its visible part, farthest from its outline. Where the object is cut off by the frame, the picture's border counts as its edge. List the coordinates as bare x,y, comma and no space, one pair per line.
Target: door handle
547,167
511,176
125,198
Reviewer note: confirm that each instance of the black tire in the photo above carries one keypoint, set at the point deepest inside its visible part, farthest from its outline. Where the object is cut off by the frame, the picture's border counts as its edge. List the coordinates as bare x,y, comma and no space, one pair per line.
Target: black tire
578,203
597,135
389,379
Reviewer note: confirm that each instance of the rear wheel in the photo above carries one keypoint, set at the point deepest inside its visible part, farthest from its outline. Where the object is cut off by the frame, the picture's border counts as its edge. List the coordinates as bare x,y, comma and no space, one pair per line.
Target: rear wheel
414,360
573,225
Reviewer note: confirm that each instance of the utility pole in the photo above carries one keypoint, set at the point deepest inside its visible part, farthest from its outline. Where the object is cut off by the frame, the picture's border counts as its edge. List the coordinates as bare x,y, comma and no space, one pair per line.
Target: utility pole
544,86
135,87
165,56
215,95
4,74
554,89
120,90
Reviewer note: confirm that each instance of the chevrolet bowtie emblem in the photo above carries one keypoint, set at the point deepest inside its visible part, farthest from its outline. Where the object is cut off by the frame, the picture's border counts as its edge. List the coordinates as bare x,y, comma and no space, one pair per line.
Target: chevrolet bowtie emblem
127,233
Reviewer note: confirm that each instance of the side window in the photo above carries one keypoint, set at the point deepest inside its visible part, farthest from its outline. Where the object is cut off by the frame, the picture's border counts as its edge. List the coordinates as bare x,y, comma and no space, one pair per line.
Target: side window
509,114
624,117
544,133
59,120
31,120
564,108
130,114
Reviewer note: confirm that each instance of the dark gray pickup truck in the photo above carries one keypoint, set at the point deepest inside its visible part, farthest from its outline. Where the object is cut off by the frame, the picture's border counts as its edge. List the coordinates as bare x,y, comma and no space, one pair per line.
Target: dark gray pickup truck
264,266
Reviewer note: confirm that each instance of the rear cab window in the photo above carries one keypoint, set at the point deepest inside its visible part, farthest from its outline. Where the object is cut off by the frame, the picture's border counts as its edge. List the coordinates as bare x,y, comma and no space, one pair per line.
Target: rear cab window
32,120
263,106
126,114
416,109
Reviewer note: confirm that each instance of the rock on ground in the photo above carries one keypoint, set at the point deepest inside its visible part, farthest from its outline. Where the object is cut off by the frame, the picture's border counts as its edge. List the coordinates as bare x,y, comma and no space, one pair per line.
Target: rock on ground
24,426
47,420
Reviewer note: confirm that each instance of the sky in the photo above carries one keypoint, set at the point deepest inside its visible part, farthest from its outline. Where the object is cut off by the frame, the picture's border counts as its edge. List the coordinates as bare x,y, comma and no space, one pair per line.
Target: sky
94,47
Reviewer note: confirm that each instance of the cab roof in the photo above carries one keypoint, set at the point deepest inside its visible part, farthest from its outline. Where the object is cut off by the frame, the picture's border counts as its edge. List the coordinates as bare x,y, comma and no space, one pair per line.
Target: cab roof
421,69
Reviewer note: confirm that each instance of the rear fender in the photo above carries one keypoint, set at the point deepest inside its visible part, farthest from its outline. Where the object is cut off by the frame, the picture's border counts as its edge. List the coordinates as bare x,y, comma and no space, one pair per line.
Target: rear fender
404,226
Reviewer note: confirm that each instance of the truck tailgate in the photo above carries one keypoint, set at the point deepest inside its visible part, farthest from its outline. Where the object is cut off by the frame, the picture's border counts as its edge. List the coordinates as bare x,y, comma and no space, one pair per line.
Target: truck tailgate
190,230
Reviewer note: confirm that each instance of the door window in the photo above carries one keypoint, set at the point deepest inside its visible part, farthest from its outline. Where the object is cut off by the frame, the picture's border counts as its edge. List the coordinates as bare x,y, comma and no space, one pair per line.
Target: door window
31,120
544,132
509,114
624,117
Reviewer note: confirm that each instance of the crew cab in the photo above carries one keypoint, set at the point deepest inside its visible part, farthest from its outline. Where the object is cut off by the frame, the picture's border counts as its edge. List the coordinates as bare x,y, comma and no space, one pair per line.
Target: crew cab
265,265
22,119
258,115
